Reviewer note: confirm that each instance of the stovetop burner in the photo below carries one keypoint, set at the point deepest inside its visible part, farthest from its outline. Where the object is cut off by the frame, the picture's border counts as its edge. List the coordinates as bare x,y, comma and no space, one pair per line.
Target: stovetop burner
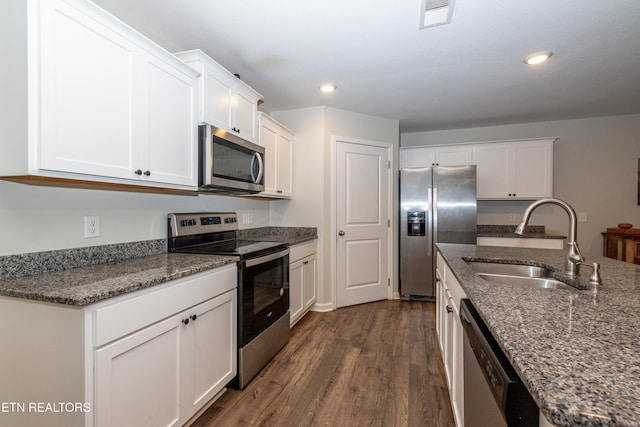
214,234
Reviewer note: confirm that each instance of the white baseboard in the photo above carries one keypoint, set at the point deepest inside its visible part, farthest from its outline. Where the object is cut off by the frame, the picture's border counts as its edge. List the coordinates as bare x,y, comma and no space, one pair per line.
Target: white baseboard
322,308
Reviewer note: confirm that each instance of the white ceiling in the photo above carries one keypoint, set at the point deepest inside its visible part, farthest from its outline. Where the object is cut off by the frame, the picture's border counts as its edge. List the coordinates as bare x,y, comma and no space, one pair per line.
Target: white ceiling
465,74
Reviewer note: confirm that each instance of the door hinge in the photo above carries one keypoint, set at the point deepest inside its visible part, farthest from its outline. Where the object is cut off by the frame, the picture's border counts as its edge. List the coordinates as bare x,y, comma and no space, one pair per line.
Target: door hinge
388,281
388,164
388,223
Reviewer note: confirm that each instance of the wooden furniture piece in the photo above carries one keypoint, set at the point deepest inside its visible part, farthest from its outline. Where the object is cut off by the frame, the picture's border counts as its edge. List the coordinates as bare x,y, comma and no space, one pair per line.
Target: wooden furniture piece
622,244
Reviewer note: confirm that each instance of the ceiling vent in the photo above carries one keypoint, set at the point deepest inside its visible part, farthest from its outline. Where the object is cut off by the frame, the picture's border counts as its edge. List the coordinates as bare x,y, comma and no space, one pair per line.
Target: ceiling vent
435,12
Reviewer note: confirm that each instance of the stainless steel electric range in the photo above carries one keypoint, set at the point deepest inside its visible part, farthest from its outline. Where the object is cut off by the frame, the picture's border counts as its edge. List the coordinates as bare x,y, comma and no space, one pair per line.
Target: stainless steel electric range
263,283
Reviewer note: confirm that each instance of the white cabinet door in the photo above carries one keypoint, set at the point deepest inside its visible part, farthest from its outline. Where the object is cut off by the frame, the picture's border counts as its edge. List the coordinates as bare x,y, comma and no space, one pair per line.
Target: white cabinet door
226,101
87,110
532,170
493,173
417,157
171,127
216,98
268,138
450,335
456,155
457,367
309,281
112,104
245,113
302,286
165,373
285,165
278,144
296,303
302,279
518,170
210,351
137,378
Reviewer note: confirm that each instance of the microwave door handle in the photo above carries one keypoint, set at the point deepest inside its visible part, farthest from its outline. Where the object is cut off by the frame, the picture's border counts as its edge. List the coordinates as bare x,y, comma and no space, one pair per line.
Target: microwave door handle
257,157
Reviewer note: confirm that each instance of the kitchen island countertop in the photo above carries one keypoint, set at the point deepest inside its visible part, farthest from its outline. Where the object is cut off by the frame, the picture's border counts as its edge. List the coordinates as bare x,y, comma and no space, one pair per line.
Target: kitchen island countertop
577,351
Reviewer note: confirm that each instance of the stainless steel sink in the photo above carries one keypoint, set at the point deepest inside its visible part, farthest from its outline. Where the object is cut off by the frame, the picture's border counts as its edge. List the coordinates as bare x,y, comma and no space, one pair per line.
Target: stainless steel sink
527,275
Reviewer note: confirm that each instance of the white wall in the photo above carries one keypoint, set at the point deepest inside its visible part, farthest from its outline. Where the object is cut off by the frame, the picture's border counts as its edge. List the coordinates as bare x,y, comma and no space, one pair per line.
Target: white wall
595,170
313,196
34,218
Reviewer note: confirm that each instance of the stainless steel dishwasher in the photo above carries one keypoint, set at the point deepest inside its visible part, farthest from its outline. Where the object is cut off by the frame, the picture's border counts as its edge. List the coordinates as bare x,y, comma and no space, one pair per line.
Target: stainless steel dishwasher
493,393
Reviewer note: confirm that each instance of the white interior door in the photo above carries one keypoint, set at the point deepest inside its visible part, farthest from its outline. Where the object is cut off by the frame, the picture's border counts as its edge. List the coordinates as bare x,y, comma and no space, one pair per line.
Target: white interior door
362,223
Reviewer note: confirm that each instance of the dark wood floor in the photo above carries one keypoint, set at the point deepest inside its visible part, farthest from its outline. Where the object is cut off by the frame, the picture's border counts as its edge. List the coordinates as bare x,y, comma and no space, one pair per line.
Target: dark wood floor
375,364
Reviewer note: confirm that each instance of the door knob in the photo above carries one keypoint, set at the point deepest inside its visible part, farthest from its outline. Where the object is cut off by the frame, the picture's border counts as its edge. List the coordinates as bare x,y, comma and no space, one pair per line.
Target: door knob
340,233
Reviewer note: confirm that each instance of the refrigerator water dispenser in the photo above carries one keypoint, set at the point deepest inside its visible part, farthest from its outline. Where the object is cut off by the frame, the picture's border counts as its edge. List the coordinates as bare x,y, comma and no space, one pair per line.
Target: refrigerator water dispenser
416,223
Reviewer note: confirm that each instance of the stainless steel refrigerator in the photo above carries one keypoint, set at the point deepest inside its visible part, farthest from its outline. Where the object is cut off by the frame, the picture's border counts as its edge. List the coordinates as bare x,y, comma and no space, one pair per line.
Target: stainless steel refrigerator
437,205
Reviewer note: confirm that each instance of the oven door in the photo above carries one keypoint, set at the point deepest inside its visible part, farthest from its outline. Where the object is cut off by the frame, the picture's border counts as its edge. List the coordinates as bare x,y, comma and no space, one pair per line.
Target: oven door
263,289
230,163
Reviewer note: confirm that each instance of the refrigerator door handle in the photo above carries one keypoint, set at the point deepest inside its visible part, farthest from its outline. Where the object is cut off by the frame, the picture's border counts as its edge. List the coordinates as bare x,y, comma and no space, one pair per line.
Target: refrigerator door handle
433,196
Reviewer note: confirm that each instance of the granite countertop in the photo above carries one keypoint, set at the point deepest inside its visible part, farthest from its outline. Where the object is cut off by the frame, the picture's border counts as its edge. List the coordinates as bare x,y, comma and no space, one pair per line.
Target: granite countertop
83,276
87,285
291,235
577,351
508,231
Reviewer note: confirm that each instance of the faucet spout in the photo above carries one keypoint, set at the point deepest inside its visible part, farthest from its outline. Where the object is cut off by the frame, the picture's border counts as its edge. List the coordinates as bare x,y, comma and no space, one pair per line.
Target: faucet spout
574,257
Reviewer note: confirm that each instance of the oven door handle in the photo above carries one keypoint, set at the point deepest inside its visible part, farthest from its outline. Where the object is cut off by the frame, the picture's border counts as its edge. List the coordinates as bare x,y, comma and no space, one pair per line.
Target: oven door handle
266,258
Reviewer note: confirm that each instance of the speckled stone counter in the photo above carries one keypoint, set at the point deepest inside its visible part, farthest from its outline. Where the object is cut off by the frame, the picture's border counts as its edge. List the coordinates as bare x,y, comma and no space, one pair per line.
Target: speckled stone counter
83,276
508,231
577,351
291,235
87,285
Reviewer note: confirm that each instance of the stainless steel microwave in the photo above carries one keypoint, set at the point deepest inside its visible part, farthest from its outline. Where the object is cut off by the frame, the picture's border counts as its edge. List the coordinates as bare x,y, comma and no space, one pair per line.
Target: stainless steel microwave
229,163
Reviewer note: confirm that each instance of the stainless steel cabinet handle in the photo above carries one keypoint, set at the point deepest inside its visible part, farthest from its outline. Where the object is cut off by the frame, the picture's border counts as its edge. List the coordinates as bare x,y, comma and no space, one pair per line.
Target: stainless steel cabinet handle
340,233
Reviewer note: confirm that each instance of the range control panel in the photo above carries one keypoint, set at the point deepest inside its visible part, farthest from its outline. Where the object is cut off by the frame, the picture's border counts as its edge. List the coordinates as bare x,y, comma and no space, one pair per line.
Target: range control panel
187,224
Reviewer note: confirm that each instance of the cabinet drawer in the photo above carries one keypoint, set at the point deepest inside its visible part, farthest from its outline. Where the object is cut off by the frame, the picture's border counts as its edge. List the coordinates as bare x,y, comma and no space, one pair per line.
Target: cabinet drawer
131,314
302,250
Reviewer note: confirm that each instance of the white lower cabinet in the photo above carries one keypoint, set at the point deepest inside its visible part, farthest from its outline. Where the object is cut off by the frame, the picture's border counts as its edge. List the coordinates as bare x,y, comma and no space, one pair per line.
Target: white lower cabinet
154,357
165,373
302,279
173,359
450,335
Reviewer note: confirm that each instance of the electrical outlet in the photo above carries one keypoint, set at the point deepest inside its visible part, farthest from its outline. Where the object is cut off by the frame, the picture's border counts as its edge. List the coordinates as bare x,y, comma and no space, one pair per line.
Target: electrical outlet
513,217
91,226
582,217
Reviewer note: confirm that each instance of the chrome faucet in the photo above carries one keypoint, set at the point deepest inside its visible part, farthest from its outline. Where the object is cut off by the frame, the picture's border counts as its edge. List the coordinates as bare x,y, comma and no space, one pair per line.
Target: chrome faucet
574,257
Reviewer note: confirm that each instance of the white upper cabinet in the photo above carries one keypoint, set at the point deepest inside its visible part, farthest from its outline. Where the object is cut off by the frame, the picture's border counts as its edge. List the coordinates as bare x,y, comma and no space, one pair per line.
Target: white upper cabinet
455,155
225,101
104,103
277,141
517,170
509,170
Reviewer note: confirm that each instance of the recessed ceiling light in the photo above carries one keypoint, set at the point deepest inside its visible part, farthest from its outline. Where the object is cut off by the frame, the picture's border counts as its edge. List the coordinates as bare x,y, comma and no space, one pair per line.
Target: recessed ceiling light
327,88
538,58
